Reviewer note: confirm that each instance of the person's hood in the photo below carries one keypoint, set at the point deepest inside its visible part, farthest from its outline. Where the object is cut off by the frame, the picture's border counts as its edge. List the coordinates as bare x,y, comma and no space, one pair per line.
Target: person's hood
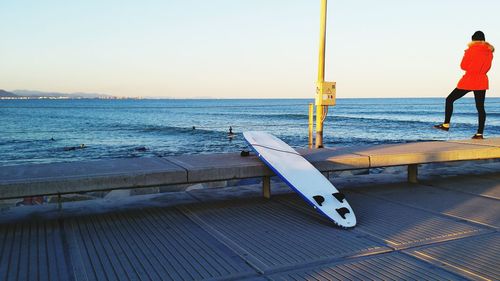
482,44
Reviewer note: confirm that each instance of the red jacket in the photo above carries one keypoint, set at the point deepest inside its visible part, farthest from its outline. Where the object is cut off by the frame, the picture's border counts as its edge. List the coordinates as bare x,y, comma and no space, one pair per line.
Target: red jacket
476,63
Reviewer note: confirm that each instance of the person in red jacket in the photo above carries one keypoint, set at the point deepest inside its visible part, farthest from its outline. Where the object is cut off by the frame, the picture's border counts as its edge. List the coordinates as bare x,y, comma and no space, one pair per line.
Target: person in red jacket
476,63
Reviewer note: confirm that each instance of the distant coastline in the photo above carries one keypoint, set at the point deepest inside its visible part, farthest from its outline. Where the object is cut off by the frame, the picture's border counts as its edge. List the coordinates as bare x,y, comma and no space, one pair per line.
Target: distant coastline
28,94
35,95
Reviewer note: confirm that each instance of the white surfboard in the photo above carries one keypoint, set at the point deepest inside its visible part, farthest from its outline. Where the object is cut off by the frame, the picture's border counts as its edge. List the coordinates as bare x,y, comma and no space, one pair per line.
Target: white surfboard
302,177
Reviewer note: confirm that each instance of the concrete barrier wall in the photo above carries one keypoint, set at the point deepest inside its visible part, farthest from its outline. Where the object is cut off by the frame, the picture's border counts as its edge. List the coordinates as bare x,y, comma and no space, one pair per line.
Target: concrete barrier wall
63,178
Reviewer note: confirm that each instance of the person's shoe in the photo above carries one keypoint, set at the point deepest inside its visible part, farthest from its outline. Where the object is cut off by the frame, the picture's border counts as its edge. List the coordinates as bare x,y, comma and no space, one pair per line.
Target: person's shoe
444,127
477,137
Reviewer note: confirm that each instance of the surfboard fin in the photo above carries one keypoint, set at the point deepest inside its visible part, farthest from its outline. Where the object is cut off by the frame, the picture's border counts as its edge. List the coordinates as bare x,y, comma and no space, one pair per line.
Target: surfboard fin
339,196
319,199
342,211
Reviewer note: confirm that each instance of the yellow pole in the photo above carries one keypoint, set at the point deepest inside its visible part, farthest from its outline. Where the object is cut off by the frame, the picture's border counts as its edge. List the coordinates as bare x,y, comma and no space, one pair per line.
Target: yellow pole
311,124
321,73
322,42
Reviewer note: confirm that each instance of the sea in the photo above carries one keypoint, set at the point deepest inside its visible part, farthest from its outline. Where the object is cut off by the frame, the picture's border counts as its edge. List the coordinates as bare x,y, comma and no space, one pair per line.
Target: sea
45,131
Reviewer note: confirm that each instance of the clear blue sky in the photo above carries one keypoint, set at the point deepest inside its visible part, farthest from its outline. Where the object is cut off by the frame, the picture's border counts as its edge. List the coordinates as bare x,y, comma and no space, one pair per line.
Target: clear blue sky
240,49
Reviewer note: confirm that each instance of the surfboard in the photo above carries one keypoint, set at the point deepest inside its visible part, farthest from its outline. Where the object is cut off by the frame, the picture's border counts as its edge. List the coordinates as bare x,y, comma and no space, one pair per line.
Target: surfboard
302,177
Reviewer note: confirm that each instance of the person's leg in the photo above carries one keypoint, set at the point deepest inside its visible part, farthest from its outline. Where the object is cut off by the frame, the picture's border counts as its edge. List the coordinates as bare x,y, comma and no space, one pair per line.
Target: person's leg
452,97
480,96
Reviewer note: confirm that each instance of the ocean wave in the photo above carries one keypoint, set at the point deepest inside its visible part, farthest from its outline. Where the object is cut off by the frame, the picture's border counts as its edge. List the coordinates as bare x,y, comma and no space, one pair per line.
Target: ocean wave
381,121
165,128
427,113
288,116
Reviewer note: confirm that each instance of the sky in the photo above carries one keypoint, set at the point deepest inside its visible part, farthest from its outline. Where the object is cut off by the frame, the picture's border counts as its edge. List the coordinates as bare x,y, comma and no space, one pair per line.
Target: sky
240,48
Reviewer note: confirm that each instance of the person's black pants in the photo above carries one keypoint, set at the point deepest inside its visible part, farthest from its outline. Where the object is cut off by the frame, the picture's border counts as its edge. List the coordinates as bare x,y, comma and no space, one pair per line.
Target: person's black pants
479,96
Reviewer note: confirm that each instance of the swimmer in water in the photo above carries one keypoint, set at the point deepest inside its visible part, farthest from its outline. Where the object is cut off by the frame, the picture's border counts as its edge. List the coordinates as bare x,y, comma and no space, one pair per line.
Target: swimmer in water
70,148
230,134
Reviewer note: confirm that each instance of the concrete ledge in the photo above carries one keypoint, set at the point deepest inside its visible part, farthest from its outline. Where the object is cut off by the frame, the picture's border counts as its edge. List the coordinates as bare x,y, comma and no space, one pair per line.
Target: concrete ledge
427,152
60,178
336,159
216,167
486,142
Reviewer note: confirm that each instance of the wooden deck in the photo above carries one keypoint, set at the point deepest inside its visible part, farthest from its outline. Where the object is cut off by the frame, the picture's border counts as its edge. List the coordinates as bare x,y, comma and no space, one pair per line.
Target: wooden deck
444,228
